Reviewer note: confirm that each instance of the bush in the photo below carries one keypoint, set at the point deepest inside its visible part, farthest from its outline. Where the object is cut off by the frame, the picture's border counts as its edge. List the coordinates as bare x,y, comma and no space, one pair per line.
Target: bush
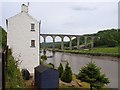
60,69
51,65
44,57
112,43
67,74
13,75
25,74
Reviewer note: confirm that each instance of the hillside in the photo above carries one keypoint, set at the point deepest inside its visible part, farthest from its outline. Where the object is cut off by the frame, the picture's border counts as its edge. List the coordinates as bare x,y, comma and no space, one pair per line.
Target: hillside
103,38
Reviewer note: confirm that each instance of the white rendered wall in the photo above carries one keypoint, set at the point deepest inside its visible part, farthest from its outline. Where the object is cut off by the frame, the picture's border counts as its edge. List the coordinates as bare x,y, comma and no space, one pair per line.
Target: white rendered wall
19,40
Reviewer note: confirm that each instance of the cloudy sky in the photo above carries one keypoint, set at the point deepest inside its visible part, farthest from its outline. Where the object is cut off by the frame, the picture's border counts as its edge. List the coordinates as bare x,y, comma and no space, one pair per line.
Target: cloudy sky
68,17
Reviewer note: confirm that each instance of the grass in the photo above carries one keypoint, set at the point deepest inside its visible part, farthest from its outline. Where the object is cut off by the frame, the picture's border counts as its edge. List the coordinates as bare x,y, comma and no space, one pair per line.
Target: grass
85,85
74,82
13,75
98,51
111,50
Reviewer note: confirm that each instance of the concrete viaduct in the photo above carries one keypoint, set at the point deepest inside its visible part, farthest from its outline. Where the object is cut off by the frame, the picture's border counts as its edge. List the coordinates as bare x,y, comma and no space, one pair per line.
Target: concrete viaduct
70,38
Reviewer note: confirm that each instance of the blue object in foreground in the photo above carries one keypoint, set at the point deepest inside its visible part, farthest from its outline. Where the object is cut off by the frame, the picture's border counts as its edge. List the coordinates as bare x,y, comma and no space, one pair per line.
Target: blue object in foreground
46,77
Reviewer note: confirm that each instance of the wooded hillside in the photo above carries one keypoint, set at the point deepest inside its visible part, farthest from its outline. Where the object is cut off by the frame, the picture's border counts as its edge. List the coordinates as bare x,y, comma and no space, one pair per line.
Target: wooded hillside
103,38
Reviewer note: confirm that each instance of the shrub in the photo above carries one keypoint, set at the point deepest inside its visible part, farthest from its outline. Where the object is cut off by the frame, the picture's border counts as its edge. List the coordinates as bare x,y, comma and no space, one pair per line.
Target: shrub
67,74
44,57
51,65
92,75
112,43
25,74
60,69
13,75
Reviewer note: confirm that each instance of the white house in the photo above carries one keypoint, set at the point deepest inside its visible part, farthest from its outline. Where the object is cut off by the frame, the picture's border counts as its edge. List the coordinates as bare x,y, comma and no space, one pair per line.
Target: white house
23,38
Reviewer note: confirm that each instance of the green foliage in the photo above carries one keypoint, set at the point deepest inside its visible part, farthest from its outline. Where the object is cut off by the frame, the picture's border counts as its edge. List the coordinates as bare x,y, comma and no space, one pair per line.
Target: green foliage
60,69
98,51
3,39
50,45
13,76
92,75
67,74
51,65
107,37
44,57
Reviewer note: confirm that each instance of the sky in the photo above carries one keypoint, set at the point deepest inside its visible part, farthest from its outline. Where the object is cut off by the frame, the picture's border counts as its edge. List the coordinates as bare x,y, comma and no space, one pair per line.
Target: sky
67,17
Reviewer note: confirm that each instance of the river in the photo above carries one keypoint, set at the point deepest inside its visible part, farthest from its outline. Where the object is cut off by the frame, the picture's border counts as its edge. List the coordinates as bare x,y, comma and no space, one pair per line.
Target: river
109,65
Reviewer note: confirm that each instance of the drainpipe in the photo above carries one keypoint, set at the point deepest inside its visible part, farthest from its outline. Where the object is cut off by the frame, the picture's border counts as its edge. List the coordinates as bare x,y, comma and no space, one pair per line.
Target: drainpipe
39,44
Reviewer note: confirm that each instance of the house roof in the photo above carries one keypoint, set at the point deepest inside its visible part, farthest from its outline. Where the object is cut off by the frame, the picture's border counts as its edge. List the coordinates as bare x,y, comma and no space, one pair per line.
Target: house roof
21,14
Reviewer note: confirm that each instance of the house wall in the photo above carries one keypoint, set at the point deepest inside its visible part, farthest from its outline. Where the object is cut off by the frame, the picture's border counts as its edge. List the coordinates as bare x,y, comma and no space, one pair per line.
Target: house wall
19,36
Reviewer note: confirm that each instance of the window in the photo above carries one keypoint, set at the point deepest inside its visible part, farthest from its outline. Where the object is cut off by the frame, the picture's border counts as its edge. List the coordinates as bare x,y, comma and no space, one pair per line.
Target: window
32,43
32,27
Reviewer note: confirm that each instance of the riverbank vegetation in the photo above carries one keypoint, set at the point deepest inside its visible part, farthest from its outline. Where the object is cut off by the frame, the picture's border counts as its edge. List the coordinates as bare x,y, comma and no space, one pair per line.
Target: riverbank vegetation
106,43
98,51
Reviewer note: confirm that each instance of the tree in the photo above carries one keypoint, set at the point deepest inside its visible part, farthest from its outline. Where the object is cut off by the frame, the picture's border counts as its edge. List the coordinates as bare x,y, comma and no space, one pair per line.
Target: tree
108,37
3,37
92,75
67,74
60,69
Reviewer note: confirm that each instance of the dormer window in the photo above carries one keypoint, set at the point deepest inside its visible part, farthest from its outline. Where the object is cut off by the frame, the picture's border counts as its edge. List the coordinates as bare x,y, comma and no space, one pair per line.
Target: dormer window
32,27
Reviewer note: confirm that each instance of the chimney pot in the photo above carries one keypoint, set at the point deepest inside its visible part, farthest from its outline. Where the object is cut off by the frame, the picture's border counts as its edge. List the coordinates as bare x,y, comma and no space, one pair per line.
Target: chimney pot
24,8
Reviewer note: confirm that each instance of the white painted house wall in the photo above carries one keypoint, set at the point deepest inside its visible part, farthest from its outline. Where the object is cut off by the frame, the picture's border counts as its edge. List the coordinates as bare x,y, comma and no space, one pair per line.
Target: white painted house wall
19,36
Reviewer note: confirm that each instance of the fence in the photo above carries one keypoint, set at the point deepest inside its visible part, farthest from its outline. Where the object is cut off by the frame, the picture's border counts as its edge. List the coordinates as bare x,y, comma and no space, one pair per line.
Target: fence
4,65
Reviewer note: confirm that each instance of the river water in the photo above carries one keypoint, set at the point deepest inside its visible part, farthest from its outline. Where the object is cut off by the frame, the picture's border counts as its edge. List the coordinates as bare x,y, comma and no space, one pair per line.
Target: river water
109,65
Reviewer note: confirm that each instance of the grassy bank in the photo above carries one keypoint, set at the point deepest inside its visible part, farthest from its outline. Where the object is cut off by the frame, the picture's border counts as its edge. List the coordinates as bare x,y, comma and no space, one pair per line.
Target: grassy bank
13,75
99,51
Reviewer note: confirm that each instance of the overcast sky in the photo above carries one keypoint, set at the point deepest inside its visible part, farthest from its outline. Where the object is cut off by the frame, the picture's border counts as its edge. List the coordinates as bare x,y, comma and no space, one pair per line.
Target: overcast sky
68,17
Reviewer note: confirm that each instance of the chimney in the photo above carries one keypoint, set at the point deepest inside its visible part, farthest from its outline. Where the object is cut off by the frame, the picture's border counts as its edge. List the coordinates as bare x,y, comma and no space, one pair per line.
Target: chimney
24,8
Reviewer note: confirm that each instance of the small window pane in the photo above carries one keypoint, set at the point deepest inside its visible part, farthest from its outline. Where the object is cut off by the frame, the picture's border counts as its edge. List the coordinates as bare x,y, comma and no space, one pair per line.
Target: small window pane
32,43
32,27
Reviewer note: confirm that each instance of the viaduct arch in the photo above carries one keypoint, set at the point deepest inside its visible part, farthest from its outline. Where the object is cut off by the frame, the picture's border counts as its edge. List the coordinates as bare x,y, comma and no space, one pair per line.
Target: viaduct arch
70,38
